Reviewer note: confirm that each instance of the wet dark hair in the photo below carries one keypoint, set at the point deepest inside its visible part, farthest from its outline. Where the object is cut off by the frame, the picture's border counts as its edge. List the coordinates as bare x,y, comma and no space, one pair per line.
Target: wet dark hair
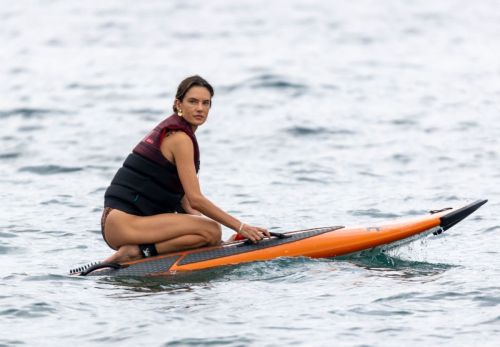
188,83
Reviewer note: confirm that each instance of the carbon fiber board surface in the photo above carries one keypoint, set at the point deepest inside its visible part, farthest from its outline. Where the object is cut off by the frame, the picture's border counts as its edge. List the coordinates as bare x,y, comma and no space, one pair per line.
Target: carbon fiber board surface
145,268
196,257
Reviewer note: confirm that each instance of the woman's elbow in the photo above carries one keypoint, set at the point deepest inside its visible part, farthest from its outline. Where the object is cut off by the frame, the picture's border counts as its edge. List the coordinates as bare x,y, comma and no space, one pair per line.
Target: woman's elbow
196,201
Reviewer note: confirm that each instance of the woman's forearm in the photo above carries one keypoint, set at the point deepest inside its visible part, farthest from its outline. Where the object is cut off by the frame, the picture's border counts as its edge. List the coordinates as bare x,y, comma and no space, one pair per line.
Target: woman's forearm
209,209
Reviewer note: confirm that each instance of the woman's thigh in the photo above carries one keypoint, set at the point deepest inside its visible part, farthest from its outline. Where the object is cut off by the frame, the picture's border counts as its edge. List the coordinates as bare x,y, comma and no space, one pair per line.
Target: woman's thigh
122,228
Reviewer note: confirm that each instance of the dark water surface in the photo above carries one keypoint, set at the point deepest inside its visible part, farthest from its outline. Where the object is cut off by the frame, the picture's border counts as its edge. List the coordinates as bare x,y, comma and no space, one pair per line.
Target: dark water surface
325,113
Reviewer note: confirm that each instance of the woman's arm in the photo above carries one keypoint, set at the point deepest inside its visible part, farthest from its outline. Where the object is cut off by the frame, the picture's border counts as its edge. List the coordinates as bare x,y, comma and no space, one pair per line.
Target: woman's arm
187,207
181,147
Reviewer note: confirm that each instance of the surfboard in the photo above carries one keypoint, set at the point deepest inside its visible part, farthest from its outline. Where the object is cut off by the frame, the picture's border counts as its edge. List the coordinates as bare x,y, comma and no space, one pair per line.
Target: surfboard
324,242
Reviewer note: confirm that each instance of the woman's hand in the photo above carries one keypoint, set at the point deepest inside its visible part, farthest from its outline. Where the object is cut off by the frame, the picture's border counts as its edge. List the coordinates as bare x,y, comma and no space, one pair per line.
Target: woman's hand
254,234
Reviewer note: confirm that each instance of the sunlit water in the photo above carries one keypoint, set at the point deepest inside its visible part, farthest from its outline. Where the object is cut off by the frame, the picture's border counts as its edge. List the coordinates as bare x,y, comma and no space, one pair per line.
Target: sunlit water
325,113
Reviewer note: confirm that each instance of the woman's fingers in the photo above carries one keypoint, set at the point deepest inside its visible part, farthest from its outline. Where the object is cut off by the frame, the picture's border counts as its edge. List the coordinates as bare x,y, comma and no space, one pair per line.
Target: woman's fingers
249,234
254,234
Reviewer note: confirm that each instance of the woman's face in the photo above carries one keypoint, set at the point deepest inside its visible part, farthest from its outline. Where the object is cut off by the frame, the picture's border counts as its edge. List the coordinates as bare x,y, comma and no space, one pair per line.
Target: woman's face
195,105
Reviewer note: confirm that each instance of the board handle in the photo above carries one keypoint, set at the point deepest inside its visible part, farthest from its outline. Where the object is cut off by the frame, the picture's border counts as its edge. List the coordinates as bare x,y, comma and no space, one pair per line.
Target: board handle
277,235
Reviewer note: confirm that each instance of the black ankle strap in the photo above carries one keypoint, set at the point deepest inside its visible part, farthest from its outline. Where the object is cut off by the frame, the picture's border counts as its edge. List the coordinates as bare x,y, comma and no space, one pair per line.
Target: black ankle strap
148,250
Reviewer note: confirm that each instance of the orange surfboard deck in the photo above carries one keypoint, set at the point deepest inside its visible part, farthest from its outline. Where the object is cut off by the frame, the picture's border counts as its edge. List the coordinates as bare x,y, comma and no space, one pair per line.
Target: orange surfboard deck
326,242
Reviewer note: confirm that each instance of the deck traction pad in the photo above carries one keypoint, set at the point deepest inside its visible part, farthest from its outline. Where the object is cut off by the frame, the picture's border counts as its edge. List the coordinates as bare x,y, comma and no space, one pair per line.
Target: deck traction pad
196,257
144,268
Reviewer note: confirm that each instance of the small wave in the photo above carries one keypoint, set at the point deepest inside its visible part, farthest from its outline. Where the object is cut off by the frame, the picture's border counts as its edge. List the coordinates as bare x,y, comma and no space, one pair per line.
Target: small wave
29,112
44,278
402,158
49,169
306,131
28,128
4,234
398,297
311,180
492,229
53,201
373,212
232,340
369,174
10,155
6,342
487,300
382,313
276,82
54,43
35,310
330,86
314,131
18,70
113,25
462,126
249,202
445,295
491,321
4,249
87,86
405,122
268,81
188,35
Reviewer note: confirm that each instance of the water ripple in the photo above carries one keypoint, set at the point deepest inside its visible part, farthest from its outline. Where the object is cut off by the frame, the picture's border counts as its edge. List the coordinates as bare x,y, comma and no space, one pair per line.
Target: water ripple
4,249
233,340
10,155
267,82
35,310
29,112
487,300
373,212
314,131
49,169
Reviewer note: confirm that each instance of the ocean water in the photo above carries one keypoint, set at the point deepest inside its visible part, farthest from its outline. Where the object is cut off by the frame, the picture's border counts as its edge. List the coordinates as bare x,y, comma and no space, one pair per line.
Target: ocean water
325,113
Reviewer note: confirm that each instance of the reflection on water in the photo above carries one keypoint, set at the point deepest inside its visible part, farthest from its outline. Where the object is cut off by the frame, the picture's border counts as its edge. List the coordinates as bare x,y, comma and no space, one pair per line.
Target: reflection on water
383,265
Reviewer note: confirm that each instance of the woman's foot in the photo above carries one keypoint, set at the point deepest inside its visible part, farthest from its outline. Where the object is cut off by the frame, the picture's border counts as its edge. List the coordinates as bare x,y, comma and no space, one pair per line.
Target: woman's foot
125,253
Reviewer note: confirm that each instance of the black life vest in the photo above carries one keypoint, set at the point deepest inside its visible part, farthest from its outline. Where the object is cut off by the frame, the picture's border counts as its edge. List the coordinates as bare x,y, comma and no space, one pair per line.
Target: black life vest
148,184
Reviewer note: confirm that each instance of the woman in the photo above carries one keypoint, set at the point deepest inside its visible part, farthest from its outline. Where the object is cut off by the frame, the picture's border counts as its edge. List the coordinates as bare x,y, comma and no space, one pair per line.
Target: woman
154,204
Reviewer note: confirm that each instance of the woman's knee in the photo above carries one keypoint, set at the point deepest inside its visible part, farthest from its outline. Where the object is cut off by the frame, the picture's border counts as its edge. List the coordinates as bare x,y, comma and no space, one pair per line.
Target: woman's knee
114,231
214,233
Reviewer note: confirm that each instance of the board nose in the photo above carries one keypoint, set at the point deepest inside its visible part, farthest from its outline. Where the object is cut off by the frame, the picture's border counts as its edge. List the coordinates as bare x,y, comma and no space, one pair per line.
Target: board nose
455,216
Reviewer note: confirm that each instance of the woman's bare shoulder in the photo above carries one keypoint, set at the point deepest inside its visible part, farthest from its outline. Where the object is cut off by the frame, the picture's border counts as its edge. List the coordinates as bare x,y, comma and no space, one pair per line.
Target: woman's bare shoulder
177,138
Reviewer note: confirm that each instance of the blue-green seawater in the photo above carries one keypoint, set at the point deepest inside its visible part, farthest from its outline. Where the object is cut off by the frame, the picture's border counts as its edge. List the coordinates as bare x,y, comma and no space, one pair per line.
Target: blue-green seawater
325,113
